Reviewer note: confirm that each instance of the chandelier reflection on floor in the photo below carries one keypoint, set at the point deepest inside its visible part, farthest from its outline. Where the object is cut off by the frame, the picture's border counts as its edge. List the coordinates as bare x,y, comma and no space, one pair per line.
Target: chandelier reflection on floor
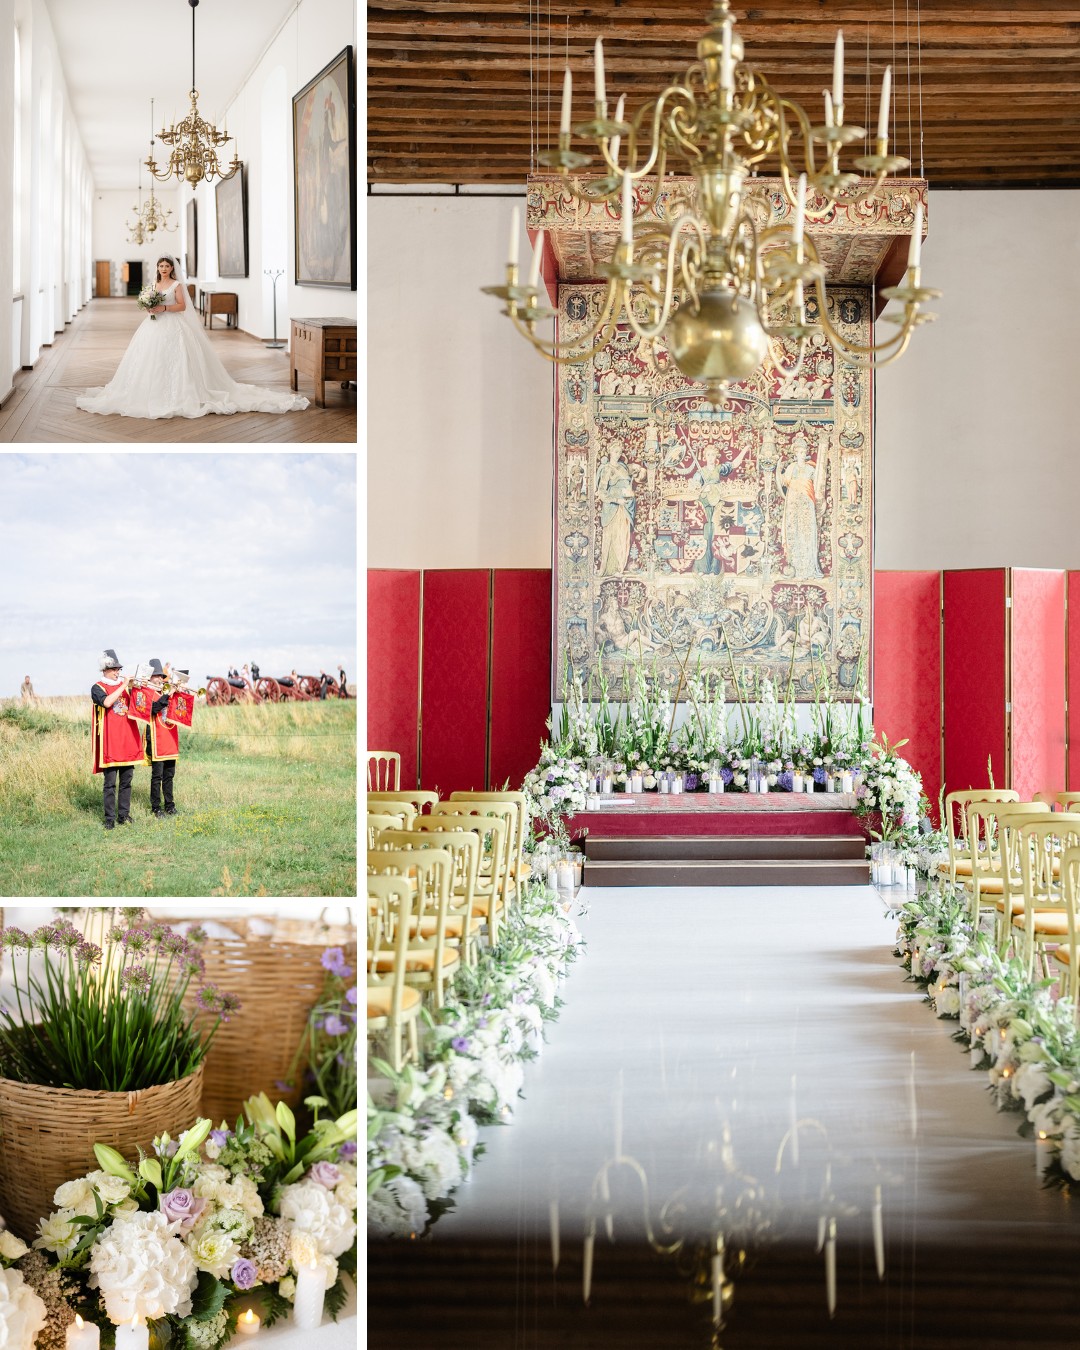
717,287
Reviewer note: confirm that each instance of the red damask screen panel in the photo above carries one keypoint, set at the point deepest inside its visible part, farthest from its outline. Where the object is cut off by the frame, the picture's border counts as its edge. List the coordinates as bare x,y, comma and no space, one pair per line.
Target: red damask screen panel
1073,678
974,657
393,665
520,671
907,668
454,688
1038,681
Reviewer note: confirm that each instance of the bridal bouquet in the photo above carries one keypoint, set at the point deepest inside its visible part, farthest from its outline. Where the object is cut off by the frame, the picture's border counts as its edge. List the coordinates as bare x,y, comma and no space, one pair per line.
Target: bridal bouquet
178,1236
149,298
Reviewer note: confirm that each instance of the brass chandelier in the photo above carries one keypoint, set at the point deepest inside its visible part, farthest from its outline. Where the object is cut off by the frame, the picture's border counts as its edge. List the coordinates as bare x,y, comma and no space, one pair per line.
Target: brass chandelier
151,215
136,229
194,141
716,286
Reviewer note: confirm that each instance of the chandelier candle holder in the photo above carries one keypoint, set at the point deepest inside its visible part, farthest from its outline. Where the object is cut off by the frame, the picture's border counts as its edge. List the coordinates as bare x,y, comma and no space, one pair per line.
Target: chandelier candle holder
194,141
721,291
137,229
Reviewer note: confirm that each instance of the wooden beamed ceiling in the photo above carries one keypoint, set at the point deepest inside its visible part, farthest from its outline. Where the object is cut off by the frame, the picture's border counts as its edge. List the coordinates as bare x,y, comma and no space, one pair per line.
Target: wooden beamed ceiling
466,91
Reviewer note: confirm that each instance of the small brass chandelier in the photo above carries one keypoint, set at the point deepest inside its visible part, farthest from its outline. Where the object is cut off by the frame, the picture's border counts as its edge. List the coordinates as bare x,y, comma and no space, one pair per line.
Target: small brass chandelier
717,287
136,229
153,215
195,142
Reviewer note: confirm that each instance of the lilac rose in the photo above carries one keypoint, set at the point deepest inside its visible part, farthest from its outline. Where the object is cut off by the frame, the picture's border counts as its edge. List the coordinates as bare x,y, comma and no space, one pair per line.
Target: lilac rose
326,1174
244,1273
182,1207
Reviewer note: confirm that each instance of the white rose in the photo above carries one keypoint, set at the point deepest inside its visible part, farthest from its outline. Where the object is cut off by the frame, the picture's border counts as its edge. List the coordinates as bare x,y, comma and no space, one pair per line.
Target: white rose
313,1209
345,1193
77,1196
11,1247
142,1270
22,1313
111,1189
57,1232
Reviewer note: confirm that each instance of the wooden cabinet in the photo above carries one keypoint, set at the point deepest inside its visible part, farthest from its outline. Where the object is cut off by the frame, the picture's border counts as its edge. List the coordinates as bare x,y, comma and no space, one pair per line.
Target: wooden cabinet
220,302
323,350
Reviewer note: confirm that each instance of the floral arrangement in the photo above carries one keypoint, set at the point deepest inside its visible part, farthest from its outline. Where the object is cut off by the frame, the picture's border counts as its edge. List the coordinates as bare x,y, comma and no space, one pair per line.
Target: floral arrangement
422,1134
329,1041
1017,1030
557,787
110,1018
892,789
176,1238
149,298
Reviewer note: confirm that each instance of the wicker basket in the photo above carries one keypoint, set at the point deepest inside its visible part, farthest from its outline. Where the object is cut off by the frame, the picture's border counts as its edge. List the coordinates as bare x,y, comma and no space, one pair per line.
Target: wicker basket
47,1136
276,971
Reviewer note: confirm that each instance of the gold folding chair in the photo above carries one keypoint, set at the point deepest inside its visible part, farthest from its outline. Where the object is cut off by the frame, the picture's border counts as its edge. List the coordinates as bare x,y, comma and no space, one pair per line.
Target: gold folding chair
1067,956
383,770
984,834
1068,801
381,801
956,804
430,963
1046,918
392,1005
507,814
400,818
489,888
520,869
463,925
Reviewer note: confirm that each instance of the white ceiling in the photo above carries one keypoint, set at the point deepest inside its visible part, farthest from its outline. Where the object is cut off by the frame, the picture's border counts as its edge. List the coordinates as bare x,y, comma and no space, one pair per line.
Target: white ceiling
117,54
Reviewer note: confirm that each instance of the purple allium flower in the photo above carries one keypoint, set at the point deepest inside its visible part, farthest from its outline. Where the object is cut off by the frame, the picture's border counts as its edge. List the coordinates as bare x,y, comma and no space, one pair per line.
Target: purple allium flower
229,1004
13,938
326,1174
136,940
65,938
244,1274
174,944
210,998
347,1152
87,954
334,1026
181,1206
460,1044
333,960
137,978
350,995
197,934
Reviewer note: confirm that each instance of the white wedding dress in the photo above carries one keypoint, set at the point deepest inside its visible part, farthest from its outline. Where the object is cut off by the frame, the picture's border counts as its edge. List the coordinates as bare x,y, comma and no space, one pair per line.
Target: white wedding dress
170,369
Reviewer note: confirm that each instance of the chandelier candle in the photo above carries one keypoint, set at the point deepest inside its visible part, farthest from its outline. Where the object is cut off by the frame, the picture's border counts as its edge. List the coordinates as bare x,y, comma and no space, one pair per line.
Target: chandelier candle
616,141
567,95
914,256
537,257
515,228
838,77
601,90
883,107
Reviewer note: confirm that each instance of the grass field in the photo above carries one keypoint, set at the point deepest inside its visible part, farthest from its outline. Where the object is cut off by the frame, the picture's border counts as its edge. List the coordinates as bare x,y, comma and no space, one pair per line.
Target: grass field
265,797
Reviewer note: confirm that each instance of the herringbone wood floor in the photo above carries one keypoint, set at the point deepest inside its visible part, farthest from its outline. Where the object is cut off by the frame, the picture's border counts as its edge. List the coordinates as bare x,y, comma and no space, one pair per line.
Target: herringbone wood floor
42,408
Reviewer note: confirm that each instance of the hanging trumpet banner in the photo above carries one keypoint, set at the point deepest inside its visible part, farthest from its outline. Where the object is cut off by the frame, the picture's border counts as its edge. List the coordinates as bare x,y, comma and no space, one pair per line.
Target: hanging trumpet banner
140,702
181,707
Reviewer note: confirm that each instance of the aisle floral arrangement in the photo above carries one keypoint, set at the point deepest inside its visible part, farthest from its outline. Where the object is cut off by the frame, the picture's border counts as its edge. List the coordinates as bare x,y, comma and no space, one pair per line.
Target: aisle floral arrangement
1017,1031
179,1237
748,744
423,1131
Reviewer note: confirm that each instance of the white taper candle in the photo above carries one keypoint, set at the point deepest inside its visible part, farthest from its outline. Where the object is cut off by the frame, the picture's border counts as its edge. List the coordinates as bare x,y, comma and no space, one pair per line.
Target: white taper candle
616,141
879,1234
627,211
799,223
567,97
828,108
838,70
883,106
830,1268
515,227
537,257
914,256
601,91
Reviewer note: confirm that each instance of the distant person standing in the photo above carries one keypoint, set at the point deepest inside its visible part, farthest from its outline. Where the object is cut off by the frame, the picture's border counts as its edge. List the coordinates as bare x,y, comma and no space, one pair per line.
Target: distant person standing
324,682
115,739
28,696
162,748
254,671
342,683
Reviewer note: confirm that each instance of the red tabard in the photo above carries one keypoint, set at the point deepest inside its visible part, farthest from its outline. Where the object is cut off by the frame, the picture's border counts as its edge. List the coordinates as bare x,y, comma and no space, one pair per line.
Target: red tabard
141,702
181,706
164,738
116,738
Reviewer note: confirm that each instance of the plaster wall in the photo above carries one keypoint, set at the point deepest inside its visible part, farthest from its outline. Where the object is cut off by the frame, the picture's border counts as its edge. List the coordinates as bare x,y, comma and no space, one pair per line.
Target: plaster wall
113,208
975,440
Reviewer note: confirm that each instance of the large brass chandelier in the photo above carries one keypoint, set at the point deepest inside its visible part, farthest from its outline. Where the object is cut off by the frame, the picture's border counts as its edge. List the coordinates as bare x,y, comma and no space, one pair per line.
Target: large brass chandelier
719,289
194,141
135,228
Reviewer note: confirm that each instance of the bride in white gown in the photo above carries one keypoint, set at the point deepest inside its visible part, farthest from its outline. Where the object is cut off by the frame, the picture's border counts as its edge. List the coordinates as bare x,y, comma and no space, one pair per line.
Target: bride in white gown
170,368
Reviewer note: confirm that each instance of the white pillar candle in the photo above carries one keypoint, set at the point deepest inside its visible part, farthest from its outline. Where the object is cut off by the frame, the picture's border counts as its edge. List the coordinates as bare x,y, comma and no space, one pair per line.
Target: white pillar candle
677,783
763,785
601,91
883,106
82,1335
664,785
635,782
828,108
552,878
537,258
838,71
133,1335
248,1323
1044,1153
915,247
515,226
310,1293
796,782
567,98
608,784
627,211
808,783
848,783
616,141
879,1234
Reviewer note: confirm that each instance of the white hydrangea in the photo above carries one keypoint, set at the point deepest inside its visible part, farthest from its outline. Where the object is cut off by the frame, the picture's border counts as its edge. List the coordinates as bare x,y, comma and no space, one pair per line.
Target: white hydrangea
142,1270
433,1158
396,1209
316,1210
22,1313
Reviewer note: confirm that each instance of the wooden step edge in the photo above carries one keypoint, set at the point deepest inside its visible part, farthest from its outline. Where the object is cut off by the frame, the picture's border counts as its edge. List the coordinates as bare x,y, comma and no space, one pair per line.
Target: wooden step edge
591,863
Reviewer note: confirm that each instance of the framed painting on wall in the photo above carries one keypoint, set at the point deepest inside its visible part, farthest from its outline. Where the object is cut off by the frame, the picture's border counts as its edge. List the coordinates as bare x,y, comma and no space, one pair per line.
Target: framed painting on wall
232,234
191,255
324,177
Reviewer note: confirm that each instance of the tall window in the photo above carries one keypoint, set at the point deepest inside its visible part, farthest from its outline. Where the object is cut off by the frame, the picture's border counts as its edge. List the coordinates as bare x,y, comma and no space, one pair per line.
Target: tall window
16,203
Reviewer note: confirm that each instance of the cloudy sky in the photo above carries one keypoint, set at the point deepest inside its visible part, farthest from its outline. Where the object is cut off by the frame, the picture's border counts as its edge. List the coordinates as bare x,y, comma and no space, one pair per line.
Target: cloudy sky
204,560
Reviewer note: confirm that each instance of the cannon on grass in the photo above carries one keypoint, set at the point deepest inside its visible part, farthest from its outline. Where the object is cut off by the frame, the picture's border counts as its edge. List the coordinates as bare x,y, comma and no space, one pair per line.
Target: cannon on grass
220,690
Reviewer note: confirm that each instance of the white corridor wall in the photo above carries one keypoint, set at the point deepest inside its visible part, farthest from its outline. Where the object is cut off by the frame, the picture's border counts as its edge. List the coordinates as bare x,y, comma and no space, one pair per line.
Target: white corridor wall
977,456
260,119
113,209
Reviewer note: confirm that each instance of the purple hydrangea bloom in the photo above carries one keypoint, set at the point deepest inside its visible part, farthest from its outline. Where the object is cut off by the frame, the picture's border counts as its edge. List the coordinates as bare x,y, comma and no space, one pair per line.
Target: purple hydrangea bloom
786,781
820,776
690,782
347,1152
244,1274
727,775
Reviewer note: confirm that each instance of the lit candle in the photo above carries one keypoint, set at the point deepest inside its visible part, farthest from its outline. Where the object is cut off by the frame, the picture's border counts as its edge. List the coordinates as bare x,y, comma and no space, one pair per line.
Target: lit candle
82,1335
796,778
848,783
883,106
727,74
515,226
601,92
627,212
828,108
538,254
310,1292
838,71
133,1336
567,93
879,1234
830,1268
799,223
616,141
915,247
247,1324
1044,1153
